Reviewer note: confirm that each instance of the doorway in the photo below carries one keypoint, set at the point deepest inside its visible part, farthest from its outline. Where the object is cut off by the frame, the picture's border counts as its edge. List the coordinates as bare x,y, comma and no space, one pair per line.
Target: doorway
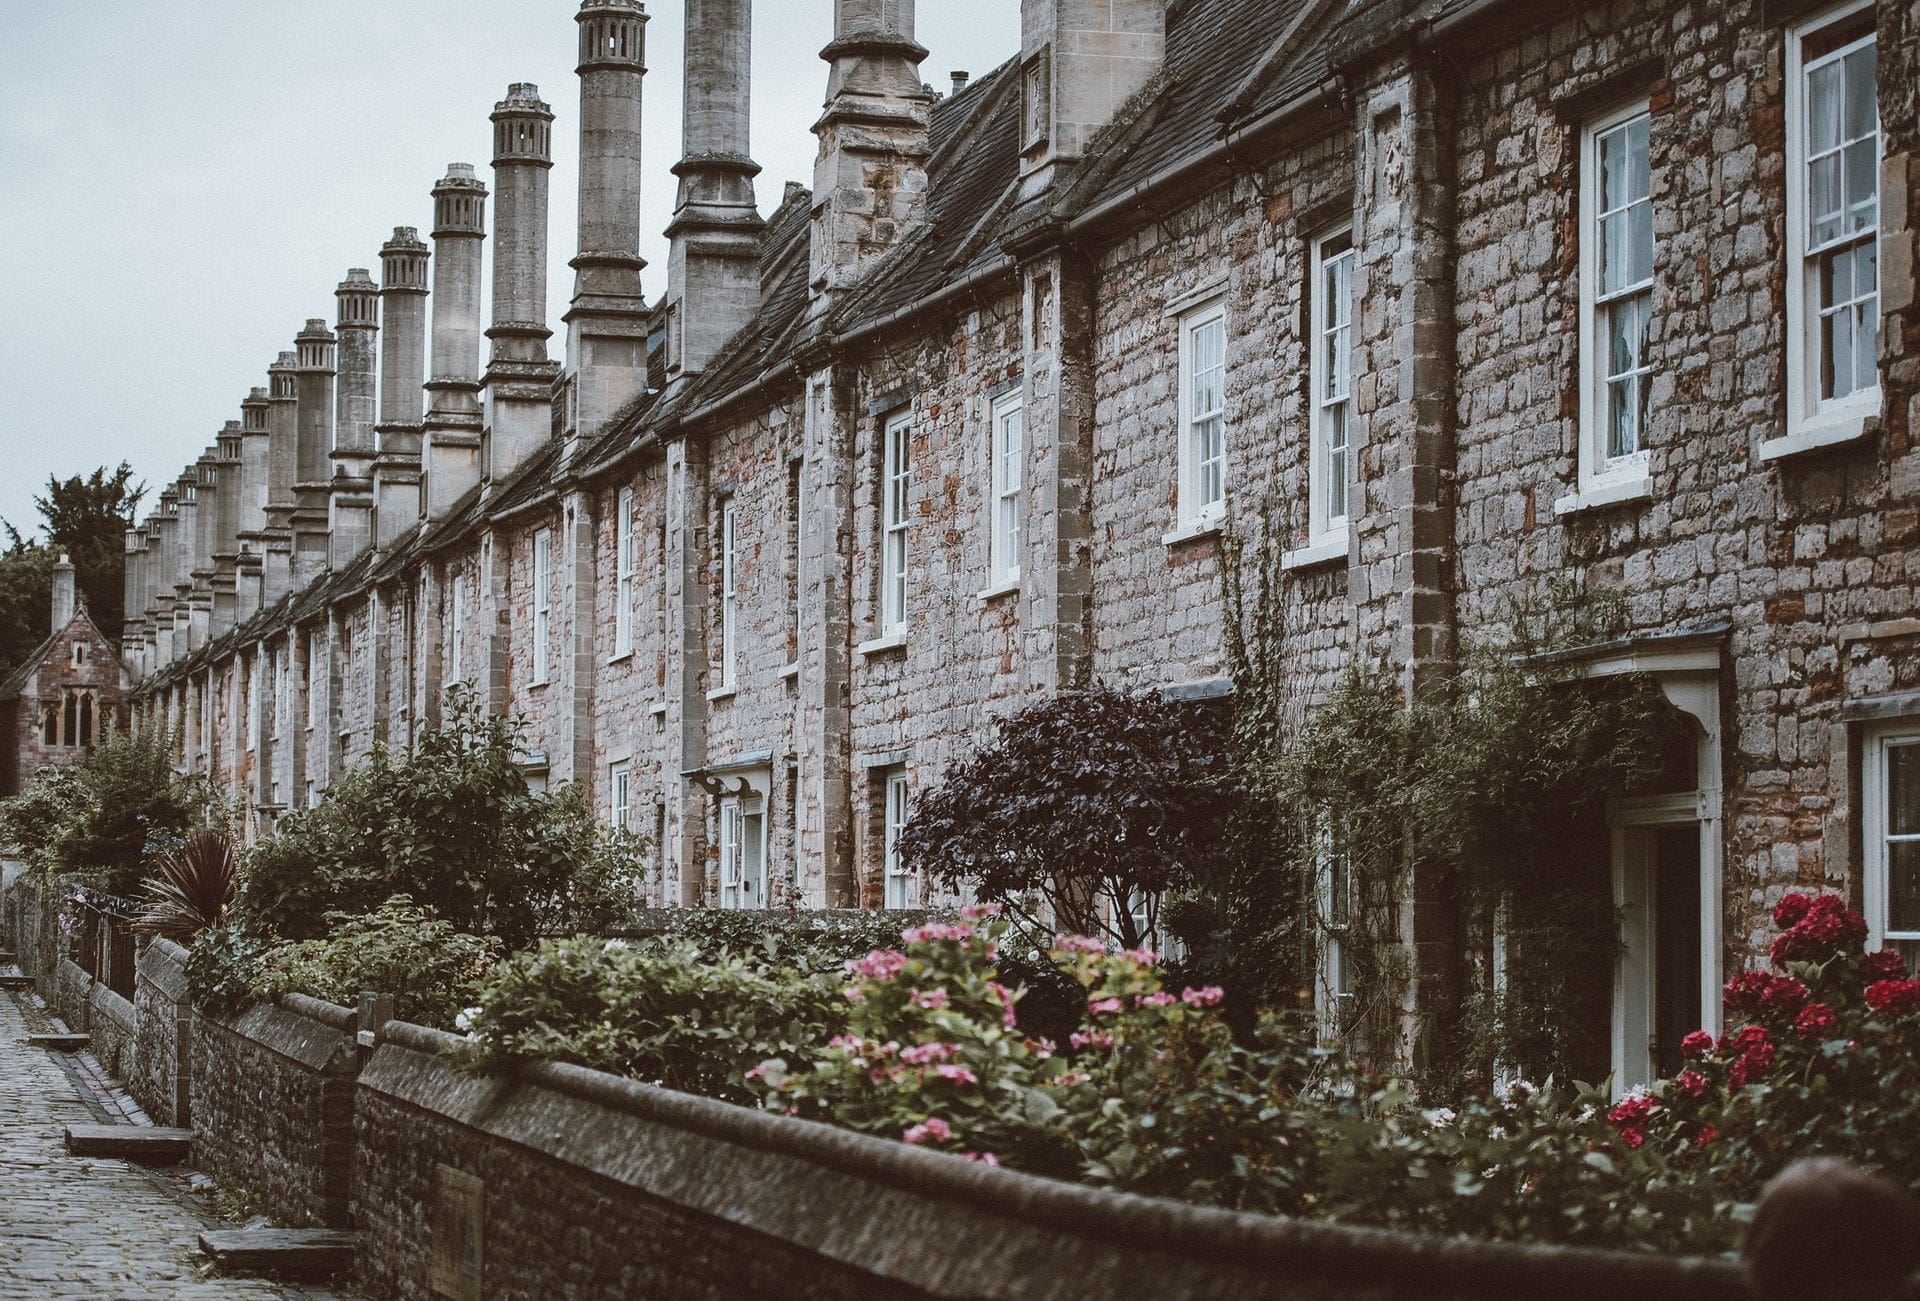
1660,894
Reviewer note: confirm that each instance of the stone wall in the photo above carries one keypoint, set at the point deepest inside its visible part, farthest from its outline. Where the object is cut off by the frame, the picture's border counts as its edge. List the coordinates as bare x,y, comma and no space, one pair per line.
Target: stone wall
272,1105
113,1026
159,1072
585,1185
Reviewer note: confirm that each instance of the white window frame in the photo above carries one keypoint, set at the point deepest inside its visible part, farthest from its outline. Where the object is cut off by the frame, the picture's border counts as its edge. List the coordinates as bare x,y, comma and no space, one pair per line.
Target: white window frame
896,489
1201,508
1334,995
456,628
742,842
1875,826
1006,457
624,576
313,681
900,886
1812,421
620,795
542,599
729,629
1625,476
1331,333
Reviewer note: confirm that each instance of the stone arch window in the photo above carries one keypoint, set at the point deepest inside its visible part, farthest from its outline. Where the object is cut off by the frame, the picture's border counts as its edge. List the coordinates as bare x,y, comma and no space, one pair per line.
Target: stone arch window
50,726
79,654
79,710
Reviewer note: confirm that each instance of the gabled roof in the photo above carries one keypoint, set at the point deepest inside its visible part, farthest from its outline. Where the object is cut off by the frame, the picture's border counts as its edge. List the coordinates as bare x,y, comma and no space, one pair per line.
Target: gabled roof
11,685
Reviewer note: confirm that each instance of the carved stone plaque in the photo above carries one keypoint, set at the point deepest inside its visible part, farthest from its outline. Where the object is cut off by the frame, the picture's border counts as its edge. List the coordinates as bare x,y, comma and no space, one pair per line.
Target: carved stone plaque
459,1213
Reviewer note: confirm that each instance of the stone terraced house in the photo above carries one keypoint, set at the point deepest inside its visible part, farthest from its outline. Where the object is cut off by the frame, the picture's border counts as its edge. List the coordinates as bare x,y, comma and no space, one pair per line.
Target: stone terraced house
1487,295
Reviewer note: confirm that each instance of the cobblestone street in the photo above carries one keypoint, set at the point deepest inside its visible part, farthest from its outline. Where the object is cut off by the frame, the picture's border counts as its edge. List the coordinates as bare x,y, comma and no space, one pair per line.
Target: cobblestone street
82,1226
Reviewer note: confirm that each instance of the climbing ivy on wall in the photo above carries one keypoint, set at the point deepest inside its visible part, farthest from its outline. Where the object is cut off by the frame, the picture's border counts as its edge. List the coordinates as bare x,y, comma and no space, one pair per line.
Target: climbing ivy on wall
1481,794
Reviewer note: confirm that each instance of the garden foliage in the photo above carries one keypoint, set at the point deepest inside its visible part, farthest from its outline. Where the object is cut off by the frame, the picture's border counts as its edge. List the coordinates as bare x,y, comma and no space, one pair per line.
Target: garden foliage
453,826
110,819
1083,801
194,886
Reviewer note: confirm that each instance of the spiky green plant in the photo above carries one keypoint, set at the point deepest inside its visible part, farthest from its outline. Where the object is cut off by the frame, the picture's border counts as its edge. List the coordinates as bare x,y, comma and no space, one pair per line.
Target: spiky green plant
193,889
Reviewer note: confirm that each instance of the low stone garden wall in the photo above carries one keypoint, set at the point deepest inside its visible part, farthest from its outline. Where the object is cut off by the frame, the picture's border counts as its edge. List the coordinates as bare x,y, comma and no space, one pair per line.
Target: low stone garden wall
159,1069
111,1023
567,1181
272,1105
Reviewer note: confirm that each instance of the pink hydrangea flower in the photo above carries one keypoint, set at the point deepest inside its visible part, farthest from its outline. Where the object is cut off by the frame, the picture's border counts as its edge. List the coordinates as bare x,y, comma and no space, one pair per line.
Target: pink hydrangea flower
956,1074
1160,998
1205,996
922,1054
1091,1039
931,1128
1104,1006
984,1158
976,912
935,931
1078,944
1143,955
854,993
881,964
932,1000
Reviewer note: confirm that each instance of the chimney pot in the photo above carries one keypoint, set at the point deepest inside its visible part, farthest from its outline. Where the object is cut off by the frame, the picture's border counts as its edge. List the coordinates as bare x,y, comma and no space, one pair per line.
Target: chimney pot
960,79
62,592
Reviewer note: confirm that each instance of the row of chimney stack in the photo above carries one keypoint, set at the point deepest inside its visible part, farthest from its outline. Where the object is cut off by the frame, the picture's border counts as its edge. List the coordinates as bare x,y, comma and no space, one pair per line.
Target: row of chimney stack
336,455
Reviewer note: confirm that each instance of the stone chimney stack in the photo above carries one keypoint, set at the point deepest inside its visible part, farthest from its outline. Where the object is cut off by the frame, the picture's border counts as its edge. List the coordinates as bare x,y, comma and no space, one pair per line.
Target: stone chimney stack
187,506
166,525
283,464
454,418
63,597
519,374
607,320
133,594
870,180
204,489
713,272
350,528
226,534
313,485
251,504
1080,60
403,369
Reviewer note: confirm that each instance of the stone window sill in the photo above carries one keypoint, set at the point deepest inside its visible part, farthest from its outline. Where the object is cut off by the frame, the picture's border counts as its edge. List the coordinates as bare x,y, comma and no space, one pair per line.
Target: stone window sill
658,708
1599,496
1324,552
621,658
541,685
892,641
1811,437
1207,526
724,693
791,672
998,590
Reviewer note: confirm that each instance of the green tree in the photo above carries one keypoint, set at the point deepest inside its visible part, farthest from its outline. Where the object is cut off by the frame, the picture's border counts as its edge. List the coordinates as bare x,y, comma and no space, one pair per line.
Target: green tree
26,600
88,518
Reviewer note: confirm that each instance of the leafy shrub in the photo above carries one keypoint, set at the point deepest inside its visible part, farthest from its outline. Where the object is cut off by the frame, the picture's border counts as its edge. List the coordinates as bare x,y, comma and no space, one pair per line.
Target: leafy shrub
1823,1058
431,970
193,889
1085,800
110,818
659,1009
453,826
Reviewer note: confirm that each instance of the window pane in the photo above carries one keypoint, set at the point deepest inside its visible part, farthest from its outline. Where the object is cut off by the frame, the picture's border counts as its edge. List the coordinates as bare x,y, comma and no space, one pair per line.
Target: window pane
1867,339
1903,790
1638,186
1903,886
1863,183
1613,171
1836,370
1863,89
1639,265
1823,108
1823,199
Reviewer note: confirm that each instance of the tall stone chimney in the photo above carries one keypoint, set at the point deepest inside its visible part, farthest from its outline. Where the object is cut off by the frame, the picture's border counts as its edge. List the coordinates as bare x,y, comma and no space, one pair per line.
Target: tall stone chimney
403,369
313,372
187,506
870,180
283,464
607,320
251,503
454,417
166,528
713,271
133,594
519,374
350,528
1080,60
63,598
204,480
226,533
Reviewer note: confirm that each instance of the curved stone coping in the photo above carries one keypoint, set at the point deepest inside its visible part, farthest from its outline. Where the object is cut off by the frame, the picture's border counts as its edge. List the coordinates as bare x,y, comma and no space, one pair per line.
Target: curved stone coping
164,964
315,1034
1150,1231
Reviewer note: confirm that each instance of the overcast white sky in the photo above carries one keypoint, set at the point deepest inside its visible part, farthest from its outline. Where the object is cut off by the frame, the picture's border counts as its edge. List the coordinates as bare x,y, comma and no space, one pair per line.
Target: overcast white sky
182,184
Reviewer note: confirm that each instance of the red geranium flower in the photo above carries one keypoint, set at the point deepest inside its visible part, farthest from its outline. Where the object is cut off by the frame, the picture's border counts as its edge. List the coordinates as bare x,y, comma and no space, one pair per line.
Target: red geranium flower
1885,964
1690,1082
1697,1044
1791,908
1707,1134
1827,927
